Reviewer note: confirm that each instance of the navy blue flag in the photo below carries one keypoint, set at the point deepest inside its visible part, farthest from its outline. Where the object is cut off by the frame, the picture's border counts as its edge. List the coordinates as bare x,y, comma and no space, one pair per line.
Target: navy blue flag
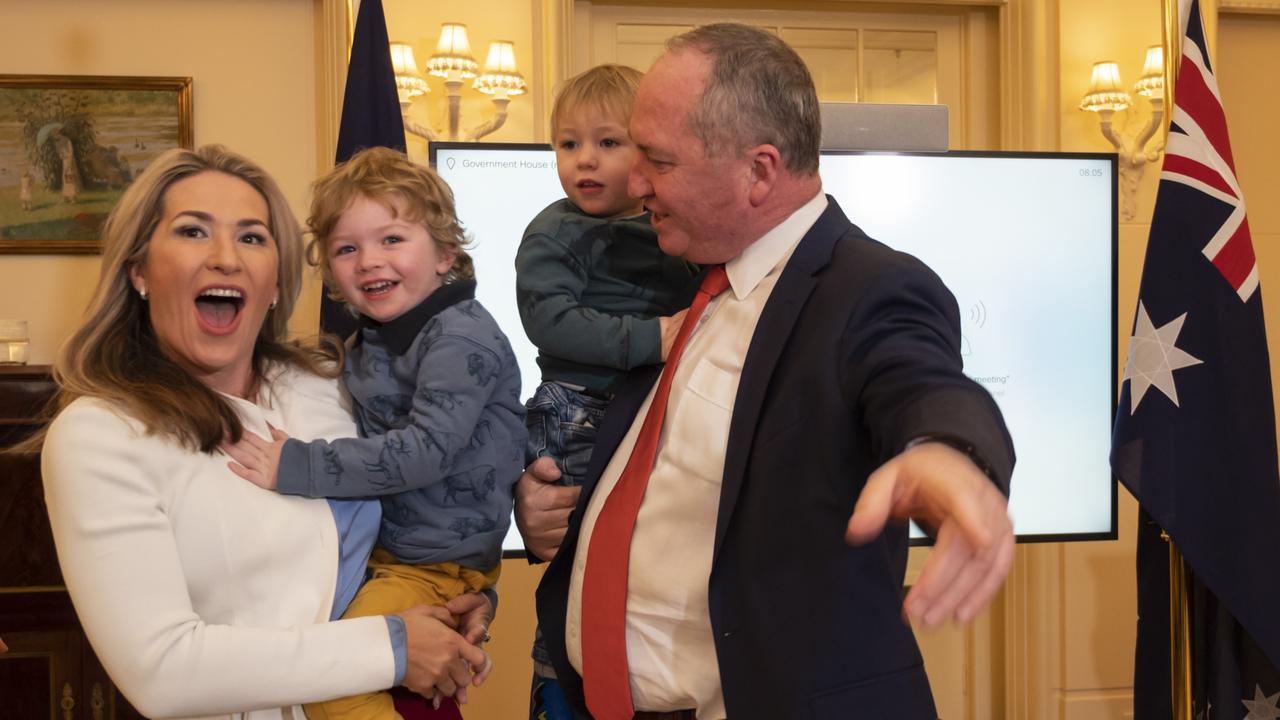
1194,437
370,118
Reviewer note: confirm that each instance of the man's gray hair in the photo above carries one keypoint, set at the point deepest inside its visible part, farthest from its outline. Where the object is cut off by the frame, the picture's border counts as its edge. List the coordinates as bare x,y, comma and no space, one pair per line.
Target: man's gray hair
758,92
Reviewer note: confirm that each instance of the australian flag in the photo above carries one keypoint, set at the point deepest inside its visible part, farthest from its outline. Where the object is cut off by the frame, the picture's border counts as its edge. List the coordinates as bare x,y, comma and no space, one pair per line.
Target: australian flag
370,118
1195,438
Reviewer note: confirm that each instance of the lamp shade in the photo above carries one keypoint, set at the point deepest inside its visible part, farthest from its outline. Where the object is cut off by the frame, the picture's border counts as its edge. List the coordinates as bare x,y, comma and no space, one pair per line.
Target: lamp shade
408,78
402,61
500,76
453,40
1151,84
1105,90
502,57
453,53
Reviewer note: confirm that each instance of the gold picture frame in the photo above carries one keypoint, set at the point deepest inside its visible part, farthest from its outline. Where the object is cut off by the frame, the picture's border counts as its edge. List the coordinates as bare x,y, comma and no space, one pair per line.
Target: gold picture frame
70,144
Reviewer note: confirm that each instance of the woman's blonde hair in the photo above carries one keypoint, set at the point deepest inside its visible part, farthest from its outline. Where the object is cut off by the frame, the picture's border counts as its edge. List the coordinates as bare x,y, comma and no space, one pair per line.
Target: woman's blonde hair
385,175
114,354
608,88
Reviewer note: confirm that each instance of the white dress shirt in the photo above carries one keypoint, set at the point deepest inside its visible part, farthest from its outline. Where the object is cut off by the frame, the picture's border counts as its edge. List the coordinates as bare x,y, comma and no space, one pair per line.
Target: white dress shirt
670,649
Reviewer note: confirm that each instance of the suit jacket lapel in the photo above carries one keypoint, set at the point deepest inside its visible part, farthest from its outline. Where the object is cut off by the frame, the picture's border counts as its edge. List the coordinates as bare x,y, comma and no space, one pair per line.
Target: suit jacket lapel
777,319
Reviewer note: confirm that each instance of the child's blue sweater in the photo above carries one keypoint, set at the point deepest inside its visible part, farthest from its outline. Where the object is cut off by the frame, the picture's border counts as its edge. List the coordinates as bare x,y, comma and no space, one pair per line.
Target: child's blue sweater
436,395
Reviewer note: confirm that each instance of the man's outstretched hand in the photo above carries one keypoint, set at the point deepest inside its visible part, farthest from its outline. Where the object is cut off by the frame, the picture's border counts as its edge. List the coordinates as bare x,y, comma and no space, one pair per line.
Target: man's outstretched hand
943,491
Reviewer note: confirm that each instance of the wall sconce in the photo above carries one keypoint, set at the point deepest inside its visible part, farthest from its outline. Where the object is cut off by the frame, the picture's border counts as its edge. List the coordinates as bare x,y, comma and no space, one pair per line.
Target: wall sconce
1107,96
453,62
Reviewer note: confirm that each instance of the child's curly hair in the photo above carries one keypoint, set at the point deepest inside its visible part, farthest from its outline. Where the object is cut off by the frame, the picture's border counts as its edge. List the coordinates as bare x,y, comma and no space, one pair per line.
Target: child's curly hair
385,175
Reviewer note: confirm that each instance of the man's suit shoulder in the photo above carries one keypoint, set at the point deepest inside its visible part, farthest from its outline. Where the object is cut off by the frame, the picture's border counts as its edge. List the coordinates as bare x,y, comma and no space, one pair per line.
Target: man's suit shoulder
858,253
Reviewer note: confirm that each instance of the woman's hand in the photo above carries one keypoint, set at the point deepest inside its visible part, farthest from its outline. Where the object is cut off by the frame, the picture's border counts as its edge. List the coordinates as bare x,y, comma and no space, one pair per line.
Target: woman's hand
439,659
255,459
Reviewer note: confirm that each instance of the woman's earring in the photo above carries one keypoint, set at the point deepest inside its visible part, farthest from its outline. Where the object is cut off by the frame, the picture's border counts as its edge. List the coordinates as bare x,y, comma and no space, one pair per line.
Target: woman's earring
142,293
272,306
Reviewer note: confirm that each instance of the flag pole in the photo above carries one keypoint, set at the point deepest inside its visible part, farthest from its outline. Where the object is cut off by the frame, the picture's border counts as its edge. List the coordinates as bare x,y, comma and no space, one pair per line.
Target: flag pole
1179,633
1179,588
1171,28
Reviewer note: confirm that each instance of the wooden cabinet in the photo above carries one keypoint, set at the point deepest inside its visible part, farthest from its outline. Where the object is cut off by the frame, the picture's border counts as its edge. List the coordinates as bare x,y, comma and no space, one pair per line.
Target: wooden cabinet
50,671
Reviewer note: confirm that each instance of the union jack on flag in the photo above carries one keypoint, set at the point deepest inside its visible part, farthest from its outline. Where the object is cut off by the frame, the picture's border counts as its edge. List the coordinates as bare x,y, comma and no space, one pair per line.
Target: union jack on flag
1198,155
1194,437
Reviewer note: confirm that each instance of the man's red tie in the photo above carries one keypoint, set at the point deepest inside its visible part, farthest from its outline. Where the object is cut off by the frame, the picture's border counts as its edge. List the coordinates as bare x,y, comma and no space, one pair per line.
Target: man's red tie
605,676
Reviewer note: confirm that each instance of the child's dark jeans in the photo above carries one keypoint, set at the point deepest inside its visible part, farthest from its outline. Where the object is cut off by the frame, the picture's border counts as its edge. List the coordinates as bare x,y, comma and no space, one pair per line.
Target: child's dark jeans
562,423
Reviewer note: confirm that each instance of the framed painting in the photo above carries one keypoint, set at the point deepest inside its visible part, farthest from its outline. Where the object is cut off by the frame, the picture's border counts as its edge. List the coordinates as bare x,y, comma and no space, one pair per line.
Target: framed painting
71,144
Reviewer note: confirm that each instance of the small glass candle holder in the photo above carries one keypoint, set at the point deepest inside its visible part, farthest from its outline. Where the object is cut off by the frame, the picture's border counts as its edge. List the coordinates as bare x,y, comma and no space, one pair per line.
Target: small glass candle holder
13,342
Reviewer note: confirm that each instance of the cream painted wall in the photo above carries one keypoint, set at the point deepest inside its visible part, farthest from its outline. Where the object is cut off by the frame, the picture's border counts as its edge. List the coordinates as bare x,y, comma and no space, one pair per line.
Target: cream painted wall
253,71
1098,587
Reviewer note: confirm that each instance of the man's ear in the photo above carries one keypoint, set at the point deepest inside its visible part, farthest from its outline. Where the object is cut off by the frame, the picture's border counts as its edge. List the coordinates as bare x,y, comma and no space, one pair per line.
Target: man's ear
766,164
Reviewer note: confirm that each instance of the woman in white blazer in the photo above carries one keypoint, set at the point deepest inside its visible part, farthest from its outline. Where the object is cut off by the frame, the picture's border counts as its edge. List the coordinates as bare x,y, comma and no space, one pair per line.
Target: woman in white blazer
202,594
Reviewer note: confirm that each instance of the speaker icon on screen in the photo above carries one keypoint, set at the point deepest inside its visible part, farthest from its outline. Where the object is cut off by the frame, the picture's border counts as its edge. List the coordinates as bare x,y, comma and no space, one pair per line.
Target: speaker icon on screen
978,314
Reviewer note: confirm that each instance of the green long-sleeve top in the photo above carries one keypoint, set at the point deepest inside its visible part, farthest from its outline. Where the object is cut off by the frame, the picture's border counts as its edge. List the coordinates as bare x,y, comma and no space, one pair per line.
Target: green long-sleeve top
590,292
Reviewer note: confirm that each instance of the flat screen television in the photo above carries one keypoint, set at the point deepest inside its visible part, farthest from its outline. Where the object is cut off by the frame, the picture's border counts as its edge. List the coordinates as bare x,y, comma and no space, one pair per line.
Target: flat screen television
1025,241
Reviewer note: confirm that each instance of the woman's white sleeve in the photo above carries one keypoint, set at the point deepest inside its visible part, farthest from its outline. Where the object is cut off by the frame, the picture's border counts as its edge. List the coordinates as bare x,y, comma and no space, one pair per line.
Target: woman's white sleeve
124,573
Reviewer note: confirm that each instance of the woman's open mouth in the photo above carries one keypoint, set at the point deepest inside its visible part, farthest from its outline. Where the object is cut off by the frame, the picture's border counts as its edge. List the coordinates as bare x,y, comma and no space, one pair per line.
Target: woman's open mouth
219,309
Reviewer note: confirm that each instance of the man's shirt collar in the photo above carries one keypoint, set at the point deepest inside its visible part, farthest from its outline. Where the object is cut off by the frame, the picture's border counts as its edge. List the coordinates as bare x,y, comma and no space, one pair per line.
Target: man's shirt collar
762,256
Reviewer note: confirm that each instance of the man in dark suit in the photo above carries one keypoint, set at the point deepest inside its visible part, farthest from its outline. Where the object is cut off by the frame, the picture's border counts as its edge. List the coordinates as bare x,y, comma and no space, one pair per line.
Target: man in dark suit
826,379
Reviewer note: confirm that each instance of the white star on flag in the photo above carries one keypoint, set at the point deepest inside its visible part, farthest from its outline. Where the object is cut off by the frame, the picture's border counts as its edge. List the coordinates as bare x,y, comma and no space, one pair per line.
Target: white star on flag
1153,356
1262,707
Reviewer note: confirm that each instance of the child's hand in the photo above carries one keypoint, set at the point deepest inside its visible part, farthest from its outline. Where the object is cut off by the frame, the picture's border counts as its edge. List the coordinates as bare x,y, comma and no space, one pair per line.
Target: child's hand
670,328
471,614
255,459
481,674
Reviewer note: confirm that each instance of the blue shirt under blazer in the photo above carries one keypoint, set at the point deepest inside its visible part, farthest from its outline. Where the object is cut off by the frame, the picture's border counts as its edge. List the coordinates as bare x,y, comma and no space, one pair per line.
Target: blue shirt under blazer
857,352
